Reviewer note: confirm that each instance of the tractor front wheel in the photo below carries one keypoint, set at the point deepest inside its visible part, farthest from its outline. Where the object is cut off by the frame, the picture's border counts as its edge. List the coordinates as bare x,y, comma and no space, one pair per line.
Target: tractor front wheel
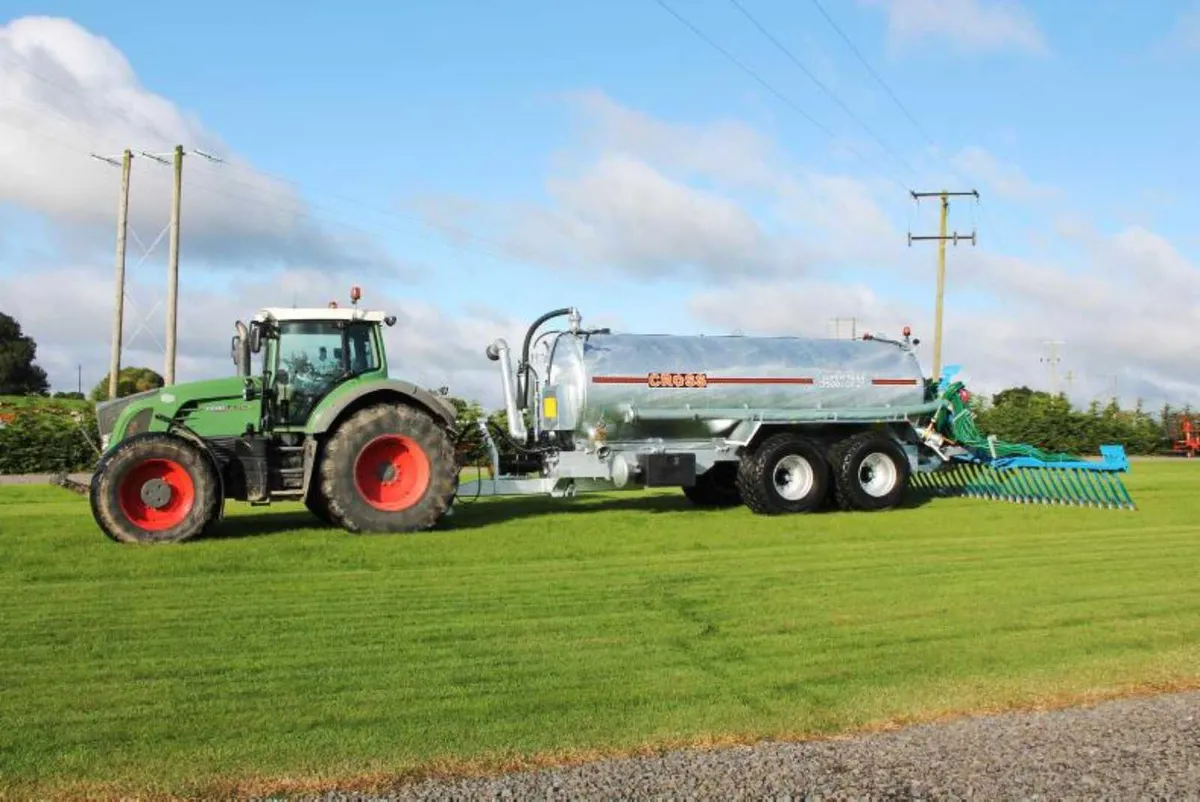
155,488
388,468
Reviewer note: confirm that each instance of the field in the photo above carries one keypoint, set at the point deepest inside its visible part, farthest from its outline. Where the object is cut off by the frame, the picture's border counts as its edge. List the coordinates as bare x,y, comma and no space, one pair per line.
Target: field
282,656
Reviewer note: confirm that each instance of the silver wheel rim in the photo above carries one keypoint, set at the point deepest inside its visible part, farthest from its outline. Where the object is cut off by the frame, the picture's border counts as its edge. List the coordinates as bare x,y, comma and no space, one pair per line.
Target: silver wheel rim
793,477
878,474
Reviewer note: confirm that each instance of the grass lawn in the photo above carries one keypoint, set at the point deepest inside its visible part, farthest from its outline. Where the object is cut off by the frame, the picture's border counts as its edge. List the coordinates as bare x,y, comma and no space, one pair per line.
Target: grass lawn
285,656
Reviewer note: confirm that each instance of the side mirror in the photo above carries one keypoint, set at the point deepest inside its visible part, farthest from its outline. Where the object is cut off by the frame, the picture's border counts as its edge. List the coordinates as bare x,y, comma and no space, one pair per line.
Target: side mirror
255,338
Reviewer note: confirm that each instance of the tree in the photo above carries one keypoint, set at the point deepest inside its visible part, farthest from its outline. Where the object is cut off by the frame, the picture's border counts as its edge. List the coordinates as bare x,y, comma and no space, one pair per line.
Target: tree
129,381
18,373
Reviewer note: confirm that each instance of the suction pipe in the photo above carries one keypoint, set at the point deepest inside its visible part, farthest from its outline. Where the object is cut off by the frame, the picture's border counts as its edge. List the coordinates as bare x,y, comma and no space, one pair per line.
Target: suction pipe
498,350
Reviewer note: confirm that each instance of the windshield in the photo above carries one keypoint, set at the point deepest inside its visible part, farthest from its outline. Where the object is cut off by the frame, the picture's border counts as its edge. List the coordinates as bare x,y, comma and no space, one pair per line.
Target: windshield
319,354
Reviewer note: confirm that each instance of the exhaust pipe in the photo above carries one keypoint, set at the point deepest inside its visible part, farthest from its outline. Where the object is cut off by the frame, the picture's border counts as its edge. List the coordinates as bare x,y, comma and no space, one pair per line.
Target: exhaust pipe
516,424
241,344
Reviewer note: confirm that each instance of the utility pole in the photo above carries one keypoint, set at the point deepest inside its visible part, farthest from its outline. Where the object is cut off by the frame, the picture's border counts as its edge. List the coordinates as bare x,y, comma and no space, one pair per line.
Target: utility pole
941,272
173,269
114,361
173,255
837,327
172,262
1051,362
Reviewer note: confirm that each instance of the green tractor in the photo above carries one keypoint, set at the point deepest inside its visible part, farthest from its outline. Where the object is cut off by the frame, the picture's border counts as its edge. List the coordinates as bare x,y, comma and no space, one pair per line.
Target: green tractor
320,421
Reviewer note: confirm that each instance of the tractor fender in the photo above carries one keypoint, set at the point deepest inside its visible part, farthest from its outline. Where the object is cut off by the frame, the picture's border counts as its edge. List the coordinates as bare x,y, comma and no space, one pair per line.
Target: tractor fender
329,410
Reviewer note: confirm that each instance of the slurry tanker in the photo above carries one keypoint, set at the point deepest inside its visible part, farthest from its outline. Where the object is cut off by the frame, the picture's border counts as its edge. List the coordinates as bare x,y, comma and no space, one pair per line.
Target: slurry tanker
780,424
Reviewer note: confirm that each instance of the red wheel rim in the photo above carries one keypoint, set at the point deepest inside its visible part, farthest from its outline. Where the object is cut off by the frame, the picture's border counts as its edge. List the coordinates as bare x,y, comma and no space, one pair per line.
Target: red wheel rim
391,472
156,494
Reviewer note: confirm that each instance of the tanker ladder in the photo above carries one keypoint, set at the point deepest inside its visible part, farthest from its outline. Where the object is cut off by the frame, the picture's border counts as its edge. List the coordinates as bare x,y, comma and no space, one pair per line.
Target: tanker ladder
978,466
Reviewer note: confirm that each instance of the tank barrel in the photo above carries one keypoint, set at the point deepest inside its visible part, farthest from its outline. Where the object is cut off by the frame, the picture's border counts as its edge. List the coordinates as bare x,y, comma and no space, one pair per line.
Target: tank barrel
498,351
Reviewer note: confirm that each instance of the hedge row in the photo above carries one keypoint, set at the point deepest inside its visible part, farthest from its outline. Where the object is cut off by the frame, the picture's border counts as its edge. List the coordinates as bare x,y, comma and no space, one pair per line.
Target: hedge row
48,437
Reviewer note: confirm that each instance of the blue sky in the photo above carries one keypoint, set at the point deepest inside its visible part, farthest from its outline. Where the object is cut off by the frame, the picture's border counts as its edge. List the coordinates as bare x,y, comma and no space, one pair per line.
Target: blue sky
480,104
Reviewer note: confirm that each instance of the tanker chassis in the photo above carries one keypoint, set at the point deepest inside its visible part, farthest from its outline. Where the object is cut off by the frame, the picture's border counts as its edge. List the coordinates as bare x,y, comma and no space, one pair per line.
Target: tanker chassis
780,424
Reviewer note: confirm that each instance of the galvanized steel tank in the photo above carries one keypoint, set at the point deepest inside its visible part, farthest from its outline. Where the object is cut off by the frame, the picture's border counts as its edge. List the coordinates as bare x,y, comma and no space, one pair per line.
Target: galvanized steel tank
601,376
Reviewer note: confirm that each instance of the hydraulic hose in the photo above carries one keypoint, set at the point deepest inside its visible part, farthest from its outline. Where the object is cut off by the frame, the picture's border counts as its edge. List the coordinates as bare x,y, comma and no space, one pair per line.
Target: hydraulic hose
960,426
523,367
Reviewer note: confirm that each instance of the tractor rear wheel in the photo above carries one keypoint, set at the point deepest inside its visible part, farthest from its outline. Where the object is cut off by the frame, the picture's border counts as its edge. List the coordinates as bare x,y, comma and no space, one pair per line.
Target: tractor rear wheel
870,472
388,468
155,488
716,487
786,473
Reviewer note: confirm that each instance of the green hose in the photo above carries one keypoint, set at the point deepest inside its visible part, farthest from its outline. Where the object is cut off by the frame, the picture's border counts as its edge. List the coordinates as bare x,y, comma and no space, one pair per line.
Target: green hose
960,426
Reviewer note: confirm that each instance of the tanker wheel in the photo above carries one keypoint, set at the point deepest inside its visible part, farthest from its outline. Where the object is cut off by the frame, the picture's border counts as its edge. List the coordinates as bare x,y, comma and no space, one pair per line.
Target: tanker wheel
870,472
155,488
388,468
786,473
716,487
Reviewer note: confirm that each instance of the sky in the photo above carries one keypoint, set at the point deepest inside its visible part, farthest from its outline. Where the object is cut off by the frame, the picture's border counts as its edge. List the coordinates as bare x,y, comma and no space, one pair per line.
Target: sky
681,167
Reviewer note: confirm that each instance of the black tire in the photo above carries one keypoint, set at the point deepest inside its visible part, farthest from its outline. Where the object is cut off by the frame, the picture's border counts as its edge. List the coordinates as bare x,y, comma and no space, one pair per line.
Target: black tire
870,472
716,487
315,503
759,469
419,492
155,488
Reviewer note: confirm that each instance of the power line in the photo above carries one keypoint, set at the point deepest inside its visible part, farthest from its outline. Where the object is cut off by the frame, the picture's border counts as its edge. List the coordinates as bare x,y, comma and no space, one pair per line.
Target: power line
830,93
879,79
782,97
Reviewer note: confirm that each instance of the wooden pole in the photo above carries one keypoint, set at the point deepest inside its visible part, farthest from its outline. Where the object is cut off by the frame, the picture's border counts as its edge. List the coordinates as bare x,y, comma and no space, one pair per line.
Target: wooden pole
114,362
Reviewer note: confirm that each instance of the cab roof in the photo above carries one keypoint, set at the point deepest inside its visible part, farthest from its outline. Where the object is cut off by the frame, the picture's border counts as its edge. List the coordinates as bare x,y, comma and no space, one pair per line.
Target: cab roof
349,313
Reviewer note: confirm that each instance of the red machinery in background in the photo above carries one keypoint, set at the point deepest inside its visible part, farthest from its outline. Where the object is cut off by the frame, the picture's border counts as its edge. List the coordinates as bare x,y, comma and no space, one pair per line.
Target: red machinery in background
1189,443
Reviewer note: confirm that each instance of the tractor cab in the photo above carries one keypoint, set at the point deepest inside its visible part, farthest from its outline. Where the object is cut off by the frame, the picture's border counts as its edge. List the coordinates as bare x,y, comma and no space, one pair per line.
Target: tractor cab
308,352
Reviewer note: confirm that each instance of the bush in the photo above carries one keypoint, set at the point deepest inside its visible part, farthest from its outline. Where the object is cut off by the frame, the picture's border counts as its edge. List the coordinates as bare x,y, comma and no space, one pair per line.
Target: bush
1021,415
49,437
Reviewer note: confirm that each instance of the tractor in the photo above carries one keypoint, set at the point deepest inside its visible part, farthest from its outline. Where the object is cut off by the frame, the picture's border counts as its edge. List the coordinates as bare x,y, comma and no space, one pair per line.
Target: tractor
320,421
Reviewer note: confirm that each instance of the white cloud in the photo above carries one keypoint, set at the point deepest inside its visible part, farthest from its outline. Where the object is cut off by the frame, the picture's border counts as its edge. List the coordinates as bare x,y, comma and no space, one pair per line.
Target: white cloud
66,93
622,212
72,326
967,26
1184,35
727,150
1006,180
1110,318
655,199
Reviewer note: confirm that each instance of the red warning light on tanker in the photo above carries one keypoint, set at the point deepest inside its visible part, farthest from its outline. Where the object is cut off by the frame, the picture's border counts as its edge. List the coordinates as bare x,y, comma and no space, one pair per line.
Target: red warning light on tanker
907,331
355,293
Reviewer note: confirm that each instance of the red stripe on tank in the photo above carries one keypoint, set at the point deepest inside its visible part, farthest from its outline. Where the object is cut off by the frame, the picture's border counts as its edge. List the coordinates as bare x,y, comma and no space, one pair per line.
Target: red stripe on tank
759,380
894,382
710,380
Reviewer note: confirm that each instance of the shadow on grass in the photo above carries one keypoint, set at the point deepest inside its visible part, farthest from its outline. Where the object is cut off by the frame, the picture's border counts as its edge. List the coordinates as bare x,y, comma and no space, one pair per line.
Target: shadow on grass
254,523
484,512
469,514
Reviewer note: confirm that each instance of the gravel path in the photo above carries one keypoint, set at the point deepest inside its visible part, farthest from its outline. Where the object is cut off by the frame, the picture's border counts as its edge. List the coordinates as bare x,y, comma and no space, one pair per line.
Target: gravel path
9,479
1129,749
